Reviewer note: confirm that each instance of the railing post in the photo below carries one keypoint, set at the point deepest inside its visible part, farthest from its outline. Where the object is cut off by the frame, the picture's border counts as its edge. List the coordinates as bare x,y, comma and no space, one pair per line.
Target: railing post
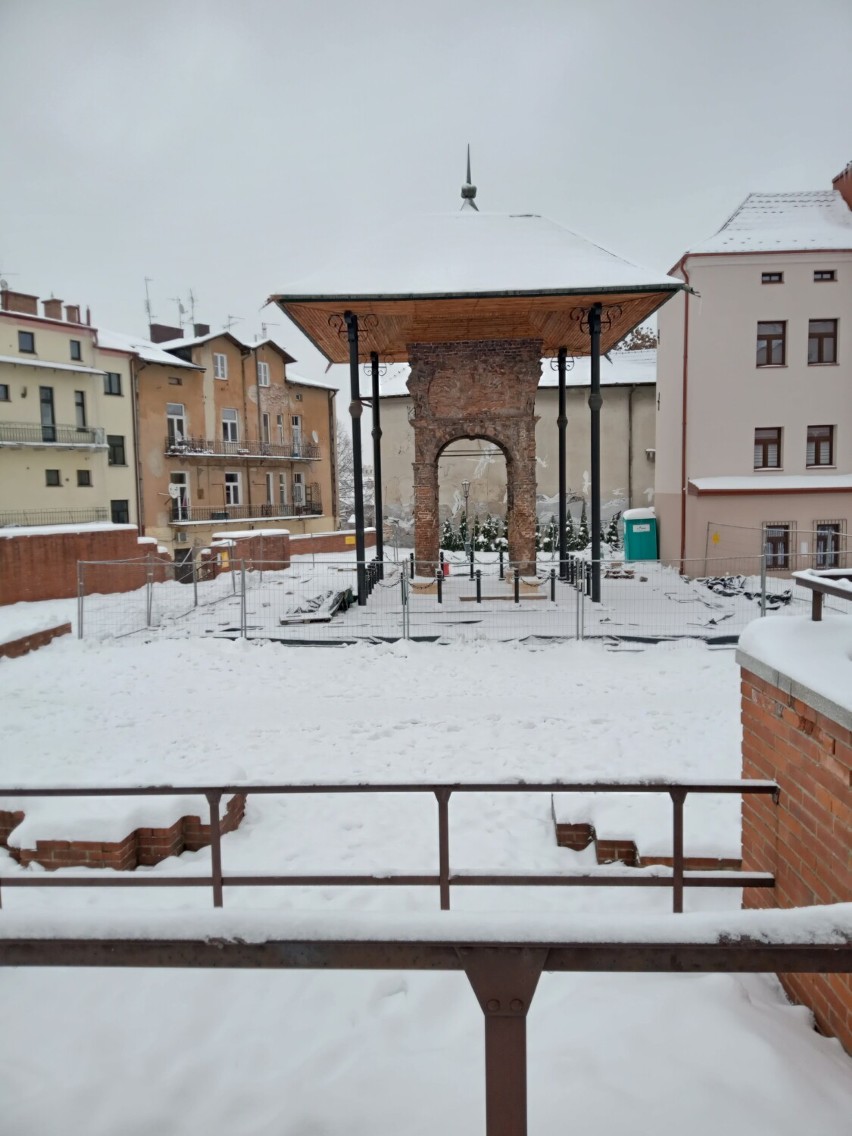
479,585
553,585
678,797
194,581
80,593
439,580
243,628
471,561
214,796
517,585
763,584
443,797
502,577
403,589
149,593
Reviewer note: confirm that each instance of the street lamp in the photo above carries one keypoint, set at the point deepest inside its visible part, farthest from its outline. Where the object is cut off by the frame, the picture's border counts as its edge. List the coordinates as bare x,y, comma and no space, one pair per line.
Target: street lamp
466,491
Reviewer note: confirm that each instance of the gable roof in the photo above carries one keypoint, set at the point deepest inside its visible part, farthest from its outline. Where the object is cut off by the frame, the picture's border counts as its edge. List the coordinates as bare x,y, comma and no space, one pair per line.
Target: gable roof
243,344
141,347
781,222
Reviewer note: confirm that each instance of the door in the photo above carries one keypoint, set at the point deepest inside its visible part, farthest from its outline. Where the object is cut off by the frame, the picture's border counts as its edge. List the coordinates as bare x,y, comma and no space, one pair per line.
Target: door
828,544
776,540
230,430
296,425
179,494
298,489
80,409
183,565
175,423
48,419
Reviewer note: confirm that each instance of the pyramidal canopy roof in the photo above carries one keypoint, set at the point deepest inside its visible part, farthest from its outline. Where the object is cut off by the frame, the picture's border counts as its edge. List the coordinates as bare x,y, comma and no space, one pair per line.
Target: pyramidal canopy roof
443,278
784,222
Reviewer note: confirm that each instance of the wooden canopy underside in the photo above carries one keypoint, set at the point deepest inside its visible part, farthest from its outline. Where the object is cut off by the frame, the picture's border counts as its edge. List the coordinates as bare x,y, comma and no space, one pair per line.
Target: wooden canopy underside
387,326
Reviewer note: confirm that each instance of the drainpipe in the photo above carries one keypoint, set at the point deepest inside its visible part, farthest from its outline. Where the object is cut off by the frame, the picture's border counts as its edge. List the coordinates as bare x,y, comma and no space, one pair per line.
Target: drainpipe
135,368
684,408
630,395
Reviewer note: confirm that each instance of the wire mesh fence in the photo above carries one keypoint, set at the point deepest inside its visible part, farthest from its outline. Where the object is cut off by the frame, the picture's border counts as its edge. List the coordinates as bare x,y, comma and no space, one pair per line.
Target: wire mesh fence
314,599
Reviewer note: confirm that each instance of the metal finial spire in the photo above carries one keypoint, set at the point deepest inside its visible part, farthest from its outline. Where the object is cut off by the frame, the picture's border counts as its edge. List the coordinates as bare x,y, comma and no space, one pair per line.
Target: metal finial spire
468,189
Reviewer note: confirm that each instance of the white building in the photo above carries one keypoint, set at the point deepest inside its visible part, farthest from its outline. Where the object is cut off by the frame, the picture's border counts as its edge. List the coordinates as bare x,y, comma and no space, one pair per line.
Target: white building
754,416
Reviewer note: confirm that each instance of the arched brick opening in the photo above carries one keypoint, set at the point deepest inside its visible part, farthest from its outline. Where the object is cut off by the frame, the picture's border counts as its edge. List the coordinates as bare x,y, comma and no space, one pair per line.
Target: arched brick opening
475,389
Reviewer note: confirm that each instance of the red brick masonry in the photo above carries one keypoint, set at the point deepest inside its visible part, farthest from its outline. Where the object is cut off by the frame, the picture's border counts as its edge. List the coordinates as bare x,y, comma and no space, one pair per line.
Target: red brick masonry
807,839
17,647
143,846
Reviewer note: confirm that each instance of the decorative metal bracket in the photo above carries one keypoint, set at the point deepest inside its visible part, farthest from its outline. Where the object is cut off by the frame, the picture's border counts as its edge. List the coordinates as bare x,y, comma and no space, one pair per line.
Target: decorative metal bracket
366,323
367,368
569,361
609,314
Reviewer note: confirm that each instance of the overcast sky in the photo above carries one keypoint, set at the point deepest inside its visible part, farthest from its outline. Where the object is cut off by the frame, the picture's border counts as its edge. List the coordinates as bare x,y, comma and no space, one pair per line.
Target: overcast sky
230,147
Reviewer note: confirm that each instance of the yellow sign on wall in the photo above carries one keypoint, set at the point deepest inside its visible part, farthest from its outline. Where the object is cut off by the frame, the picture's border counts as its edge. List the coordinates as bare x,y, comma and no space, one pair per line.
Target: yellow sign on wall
349,540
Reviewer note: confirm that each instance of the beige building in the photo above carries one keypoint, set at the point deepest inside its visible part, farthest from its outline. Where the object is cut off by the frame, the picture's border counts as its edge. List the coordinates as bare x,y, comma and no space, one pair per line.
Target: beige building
229,440
754,422
66,418
627,445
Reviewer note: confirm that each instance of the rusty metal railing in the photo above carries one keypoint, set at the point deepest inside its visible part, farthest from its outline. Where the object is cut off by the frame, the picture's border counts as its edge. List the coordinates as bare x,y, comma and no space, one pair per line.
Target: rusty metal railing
444,879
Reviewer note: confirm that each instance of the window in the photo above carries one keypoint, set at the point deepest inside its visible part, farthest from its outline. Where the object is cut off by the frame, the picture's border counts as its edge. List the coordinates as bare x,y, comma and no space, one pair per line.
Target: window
767,447
772,344
112,383
270,488
4,392
179,494
26,342
84,477
220,366
829,535
232,489
772,278
76,349
51,477
823,275
279,423
264,426
48,421
296,426
80,409
282,488
175,422
115,443
230,426
822,341
298,489
175,381
820,449
119,512
776,544
262,374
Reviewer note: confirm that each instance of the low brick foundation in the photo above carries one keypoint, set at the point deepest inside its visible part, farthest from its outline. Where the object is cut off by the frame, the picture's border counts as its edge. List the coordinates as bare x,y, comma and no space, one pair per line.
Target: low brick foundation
143,846
17,647
343,541
806,840
578,837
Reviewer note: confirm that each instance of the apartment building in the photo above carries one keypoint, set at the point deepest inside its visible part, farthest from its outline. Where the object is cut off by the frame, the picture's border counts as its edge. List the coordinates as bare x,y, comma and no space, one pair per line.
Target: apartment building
754,417
229,440
66,418
628,381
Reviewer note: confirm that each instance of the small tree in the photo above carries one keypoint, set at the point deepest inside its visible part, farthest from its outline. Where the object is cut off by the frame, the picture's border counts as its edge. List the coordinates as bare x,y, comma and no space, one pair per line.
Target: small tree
570,538
449,541
583,531
611,536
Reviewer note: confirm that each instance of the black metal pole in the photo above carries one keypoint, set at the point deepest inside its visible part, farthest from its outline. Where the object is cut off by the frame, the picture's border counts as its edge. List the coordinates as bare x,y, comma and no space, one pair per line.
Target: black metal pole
355,409
439,580
562,423
478,586
377,465
595,403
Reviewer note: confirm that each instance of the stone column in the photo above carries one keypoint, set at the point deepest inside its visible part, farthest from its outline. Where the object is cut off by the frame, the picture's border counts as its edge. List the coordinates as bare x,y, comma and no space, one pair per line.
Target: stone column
427,534
521,514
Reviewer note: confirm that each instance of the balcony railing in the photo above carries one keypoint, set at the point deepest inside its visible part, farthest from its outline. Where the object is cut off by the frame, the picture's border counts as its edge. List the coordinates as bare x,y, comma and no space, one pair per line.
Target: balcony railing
34,434
53,517
250,448
182,513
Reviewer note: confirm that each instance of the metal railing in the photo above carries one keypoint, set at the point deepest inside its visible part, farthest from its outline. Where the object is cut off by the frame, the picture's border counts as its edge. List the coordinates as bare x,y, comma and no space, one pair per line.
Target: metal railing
836,582
247,448
34,434
445,879
27,517
311,508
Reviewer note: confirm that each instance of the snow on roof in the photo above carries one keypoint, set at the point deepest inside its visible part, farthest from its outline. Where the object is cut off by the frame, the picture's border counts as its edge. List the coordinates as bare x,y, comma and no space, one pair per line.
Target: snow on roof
63,530
138,345
468,253
48,366
776,222
618,368
300,382
763,482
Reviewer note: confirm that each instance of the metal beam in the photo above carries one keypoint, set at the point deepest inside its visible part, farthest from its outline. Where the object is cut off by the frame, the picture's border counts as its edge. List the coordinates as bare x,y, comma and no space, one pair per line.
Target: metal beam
595,403
355,410
561,424
377,457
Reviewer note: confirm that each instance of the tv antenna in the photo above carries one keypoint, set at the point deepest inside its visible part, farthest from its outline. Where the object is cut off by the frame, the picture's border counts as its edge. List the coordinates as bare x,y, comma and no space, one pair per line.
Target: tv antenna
148,312
264,326
230,320
181,309
192,307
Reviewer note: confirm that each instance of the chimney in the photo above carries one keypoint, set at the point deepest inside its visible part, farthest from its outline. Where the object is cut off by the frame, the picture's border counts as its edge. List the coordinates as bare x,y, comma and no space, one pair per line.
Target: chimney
843,184
19,302
52,308
72,313
201,329
160,332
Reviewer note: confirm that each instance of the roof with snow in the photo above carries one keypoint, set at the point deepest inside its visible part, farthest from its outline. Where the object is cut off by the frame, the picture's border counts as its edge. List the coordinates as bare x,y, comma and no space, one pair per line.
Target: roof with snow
226,333
781,222
619,368
48,365
451,277
139,346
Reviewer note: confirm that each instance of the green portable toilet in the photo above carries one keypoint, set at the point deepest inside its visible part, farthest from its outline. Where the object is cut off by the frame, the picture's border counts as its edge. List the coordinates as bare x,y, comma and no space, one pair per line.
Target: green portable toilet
640,534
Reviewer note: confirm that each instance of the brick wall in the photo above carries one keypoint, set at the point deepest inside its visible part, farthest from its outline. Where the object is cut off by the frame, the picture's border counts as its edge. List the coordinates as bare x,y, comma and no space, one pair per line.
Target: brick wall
329,542
806,840
142,846
43,566
17,647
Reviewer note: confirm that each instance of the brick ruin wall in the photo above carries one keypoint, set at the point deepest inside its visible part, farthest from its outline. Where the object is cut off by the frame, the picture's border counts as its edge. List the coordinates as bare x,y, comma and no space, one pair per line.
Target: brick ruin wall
806,840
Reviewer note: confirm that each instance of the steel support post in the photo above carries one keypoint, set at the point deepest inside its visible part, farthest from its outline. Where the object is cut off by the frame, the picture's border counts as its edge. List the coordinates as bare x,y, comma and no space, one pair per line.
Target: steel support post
80,594
377,465
355,410
504,983
562,424
595,403
678,797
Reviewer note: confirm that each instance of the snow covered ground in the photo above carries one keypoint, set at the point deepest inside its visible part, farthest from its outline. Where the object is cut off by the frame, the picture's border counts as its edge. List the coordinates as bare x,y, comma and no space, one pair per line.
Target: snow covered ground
95,1053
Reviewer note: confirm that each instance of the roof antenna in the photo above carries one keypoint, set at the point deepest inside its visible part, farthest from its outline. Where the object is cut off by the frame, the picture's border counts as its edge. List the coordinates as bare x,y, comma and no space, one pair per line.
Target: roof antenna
468,189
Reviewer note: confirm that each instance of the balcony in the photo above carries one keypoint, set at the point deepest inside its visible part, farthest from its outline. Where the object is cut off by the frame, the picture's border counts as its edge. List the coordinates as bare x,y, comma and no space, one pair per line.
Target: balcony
250,448
32,434
183,514
25,517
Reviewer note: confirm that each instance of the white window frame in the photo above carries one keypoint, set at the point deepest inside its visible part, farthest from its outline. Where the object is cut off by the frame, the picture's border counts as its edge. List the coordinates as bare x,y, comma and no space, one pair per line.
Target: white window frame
264,427
220,365
233,488
262,373
180,477
282,489
179,432
230,426
279,425
298,489
296,433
